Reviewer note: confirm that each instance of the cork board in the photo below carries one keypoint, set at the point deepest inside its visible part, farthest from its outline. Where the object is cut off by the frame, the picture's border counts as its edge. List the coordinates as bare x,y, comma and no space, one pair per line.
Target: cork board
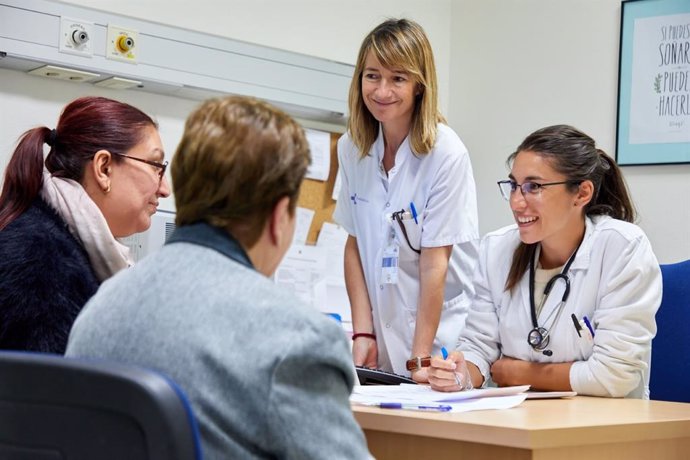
317,195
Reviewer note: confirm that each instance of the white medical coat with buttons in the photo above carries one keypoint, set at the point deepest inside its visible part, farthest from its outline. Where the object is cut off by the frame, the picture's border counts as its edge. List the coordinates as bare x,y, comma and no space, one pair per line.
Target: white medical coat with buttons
441,186
615,281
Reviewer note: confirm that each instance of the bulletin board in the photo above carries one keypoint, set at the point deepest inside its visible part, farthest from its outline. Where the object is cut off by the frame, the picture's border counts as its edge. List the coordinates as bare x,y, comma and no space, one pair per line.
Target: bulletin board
317,195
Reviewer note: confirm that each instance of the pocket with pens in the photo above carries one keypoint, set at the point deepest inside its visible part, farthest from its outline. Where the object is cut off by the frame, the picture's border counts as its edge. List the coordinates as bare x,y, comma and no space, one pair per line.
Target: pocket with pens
583,327
408,230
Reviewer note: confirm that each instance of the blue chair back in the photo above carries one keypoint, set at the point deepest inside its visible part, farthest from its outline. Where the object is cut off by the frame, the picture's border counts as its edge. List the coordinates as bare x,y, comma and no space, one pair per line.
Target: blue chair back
53,407
670,372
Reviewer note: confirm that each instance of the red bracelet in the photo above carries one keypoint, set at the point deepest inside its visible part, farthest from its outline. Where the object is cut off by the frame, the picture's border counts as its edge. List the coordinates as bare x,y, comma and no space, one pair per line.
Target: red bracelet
364,334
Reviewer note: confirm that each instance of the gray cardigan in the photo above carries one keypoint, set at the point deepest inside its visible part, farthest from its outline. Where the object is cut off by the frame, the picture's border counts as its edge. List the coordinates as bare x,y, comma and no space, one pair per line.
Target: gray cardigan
267,376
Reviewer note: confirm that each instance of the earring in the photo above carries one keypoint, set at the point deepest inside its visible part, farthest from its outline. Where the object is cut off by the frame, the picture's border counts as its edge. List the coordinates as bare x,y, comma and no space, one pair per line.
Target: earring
107,189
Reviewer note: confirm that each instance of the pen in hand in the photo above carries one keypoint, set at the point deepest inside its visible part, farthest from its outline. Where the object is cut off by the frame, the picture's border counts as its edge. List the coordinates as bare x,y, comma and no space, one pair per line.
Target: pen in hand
444,352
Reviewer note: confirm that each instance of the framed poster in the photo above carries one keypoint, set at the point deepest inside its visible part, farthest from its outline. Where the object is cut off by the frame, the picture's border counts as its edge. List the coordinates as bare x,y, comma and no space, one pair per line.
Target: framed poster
654,83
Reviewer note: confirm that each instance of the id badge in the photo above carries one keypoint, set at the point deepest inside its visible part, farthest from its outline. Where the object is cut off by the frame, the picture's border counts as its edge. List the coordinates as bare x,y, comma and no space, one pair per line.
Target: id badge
389,264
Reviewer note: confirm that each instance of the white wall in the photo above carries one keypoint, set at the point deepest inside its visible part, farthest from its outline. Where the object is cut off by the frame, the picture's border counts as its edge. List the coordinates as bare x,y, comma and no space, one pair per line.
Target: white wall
27,101
330,29
519,65
506,68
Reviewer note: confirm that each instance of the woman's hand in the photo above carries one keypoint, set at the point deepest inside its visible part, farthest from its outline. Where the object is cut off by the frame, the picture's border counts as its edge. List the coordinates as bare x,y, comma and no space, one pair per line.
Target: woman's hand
509,371
365,353
450,374
421,375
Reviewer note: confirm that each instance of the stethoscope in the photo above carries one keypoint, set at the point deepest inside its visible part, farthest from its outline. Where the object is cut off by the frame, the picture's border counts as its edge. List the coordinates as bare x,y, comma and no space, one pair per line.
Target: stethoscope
539,336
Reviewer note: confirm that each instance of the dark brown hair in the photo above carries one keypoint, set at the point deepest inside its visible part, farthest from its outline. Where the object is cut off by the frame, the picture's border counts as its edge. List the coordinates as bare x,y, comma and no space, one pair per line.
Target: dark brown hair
86,125
575,155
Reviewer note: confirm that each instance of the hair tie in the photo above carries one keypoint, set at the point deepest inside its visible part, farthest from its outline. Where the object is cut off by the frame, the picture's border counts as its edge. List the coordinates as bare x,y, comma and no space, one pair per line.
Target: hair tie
51,137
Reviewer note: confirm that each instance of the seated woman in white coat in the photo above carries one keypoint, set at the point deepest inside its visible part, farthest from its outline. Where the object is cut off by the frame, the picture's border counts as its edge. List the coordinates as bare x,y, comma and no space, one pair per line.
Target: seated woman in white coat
566,297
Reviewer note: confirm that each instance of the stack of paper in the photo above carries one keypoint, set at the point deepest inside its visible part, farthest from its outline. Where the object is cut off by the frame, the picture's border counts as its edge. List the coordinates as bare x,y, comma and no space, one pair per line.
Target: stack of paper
424,398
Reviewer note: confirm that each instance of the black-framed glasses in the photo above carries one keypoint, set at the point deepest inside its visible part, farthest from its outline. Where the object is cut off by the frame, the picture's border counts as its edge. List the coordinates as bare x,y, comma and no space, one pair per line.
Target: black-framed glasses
508,187
161,166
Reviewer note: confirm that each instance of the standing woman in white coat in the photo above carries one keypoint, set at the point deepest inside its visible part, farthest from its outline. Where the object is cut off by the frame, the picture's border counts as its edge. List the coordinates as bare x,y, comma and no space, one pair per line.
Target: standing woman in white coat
573,307
408,202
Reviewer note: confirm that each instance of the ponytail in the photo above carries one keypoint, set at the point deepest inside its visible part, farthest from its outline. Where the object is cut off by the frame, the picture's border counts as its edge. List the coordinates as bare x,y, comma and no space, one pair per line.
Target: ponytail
24,175
612,197
86,125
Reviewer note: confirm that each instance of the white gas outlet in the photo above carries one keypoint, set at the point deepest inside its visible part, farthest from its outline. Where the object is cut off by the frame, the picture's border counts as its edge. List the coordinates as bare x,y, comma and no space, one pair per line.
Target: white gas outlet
122,44
76,37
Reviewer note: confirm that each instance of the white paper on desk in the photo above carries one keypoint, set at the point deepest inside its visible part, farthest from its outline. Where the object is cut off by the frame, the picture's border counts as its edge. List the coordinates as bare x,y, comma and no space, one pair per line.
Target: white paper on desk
320,146
304,217
423,394
496,402
461,401
300,270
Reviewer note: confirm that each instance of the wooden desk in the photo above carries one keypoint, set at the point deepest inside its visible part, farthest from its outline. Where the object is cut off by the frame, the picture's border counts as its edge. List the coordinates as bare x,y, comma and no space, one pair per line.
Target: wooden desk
578,428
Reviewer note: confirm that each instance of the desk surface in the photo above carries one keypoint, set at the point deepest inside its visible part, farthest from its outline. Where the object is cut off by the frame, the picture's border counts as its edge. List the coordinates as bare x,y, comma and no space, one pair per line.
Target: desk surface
541,424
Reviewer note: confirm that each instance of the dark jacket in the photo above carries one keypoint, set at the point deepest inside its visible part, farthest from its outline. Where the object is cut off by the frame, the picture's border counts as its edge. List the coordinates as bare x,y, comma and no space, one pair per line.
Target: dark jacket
45,280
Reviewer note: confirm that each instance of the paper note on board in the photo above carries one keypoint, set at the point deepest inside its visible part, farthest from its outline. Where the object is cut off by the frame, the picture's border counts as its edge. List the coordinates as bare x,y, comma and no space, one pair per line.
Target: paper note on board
320,146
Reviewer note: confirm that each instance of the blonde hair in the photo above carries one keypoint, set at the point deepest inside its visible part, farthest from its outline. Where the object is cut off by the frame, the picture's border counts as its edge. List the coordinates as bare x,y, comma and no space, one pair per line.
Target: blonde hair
397,44
237,158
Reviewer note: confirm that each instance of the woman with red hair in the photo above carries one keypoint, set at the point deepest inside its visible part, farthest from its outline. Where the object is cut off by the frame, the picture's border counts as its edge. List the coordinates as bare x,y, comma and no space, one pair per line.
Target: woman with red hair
61,216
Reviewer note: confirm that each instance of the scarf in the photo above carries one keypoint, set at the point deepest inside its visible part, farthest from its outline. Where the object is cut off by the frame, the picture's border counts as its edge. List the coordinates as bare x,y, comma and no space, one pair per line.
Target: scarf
87,224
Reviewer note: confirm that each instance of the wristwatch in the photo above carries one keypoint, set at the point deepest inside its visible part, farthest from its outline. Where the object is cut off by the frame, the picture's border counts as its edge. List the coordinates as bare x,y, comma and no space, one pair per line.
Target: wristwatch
417,363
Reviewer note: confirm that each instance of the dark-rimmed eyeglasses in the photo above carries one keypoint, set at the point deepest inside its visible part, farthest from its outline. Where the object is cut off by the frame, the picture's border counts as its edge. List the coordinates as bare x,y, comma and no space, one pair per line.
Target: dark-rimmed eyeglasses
508,187
161,166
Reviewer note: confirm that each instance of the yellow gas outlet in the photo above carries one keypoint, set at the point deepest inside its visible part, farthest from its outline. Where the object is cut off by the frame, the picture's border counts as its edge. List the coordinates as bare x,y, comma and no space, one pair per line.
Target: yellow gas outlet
122,44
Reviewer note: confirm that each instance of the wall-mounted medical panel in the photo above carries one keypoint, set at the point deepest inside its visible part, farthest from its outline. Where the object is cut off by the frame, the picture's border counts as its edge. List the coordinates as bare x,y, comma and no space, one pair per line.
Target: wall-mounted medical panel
168,60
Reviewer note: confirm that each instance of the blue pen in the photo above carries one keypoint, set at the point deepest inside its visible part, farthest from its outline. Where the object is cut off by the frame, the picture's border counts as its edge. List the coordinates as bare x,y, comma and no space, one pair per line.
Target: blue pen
589,325
414,212
444,352
391,405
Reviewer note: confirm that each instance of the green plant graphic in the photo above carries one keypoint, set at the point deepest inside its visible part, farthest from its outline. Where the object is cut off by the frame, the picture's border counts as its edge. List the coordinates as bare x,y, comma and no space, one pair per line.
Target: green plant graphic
657,84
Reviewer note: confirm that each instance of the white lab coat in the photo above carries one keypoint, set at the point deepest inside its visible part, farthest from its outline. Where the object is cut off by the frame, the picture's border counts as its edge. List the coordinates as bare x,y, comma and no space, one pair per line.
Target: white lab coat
615,281
442,188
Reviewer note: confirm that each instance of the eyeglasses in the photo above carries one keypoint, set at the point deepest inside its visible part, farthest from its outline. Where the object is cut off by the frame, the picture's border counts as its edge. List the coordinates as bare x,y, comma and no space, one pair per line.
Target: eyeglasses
508,187
162,166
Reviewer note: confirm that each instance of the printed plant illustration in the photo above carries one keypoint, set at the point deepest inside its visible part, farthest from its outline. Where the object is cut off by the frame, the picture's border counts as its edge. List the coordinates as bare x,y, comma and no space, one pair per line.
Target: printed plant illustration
657,84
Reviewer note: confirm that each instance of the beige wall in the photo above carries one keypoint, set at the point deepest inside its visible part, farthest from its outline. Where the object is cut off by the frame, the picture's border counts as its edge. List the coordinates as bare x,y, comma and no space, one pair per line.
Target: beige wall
520,65
506,68
331,29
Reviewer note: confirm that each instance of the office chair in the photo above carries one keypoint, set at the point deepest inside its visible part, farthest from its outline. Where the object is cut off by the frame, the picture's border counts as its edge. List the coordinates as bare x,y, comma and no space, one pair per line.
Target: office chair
670,372
53,407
